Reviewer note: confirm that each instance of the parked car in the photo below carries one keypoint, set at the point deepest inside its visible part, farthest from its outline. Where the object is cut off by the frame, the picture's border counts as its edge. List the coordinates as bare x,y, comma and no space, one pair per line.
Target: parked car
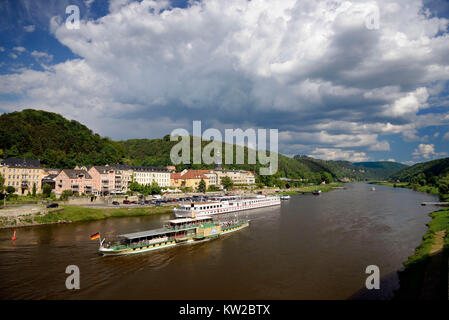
52,205
141,202
115,203
133,202
126,202
158,203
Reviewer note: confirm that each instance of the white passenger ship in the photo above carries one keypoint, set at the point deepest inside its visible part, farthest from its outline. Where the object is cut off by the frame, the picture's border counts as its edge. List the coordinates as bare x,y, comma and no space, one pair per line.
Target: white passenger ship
225,205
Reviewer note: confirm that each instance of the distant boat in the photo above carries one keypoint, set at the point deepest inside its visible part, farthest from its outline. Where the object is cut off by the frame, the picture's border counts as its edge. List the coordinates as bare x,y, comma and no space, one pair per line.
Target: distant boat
316,192
373,189
285,197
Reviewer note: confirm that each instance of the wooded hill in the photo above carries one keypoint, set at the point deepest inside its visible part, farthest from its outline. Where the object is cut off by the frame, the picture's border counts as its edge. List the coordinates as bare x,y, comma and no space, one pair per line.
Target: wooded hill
61,143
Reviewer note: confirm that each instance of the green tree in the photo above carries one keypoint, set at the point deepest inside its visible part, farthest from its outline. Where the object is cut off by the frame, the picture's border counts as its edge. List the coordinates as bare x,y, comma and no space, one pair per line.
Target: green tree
46,190
227,183
135,187
65,195
326,176
2,188
202,186
443,188
421,179
2,183
10,189
33,192
213,188
155,188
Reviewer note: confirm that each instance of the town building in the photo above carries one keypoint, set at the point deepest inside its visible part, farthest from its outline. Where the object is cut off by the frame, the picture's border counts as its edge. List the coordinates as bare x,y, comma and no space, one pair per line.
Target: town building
22,174
189,179
148,175
78,181
240,177
109,179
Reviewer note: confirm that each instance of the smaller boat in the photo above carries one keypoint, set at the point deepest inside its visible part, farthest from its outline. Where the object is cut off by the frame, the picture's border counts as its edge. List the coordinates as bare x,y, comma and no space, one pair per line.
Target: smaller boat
284,197
373,189
316,192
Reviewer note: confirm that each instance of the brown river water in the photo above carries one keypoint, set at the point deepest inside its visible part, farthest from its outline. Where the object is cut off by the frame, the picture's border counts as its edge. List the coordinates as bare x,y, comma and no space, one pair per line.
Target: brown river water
310,247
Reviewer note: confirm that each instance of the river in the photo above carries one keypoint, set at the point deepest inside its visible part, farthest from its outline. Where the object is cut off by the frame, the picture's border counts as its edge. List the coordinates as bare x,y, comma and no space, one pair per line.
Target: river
310,247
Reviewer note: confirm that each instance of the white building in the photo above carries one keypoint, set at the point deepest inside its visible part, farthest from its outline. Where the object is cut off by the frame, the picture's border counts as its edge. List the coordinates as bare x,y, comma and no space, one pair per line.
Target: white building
146,175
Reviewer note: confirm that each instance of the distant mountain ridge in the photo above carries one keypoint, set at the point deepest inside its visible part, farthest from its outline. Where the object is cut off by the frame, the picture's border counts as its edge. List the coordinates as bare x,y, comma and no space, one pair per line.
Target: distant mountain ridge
376,170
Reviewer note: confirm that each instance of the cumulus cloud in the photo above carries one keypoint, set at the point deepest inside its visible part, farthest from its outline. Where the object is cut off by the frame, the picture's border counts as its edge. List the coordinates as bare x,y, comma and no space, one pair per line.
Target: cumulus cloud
312,69
42,56
427,151
30,28
19,49
338,154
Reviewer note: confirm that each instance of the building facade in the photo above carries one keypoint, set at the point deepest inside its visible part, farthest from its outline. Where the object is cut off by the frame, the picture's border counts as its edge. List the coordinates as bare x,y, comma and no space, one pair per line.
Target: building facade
241,177
189,179
148,175
78,181
22,174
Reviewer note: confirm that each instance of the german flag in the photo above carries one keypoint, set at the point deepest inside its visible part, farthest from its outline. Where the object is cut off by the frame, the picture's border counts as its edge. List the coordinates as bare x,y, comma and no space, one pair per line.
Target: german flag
95,236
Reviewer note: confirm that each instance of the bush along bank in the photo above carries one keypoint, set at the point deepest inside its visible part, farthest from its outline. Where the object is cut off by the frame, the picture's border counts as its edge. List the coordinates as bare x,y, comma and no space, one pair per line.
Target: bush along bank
425,273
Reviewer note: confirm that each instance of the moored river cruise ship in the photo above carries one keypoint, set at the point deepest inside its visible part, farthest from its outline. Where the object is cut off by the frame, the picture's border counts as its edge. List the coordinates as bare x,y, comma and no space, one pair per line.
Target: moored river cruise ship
225,205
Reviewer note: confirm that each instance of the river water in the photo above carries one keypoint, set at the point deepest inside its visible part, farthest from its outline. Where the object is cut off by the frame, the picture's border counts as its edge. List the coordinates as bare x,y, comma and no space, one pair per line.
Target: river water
310,247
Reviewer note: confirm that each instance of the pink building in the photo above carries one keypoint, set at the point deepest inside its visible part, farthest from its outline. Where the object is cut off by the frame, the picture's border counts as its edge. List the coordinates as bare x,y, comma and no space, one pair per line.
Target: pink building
79,181
108,180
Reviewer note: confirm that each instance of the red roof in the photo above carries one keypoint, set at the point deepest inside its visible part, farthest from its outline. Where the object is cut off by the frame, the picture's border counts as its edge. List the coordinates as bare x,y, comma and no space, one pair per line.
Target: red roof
190,174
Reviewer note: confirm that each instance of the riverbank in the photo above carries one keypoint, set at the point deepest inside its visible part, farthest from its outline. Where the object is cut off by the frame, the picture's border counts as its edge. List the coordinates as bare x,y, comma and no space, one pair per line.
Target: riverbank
426,189
425,273
39,215
323,188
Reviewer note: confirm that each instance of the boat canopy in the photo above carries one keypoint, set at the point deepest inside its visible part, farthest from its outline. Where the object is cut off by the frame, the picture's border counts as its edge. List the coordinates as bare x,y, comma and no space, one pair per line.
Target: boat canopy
145,234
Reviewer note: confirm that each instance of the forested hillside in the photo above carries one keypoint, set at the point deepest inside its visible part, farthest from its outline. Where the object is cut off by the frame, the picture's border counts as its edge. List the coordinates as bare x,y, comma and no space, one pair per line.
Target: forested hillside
344,169
62,143
56,141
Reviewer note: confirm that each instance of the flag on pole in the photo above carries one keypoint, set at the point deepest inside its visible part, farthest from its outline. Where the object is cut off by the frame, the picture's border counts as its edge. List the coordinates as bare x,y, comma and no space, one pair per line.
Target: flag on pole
95,236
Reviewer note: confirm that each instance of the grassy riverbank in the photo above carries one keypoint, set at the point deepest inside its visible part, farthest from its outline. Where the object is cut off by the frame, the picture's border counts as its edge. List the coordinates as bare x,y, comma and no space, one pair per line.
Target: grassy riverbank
427,189
323,188
69,213
425,272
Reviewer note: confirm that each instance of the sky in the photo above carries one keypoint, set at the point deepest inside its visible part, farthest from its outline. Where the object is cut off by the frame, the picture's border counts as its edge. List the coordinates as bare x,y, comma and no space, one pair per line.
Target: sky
351,80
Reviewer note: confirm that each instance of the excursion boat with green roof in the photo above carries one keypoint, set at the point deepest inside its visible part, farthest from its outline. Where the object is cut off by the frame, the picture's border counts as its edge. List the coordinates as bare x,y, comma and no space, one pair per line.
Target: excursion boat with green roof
177,231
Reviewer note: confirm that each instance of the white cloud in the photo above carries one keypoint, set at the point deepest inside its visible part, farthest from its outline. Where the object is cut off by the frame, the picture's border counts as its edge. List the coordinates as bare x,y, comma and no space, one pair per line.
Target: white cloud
19,49
88,3
409,104
29,28
446,136
42,55
2,49
310,68
427,151
12,55
338,154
